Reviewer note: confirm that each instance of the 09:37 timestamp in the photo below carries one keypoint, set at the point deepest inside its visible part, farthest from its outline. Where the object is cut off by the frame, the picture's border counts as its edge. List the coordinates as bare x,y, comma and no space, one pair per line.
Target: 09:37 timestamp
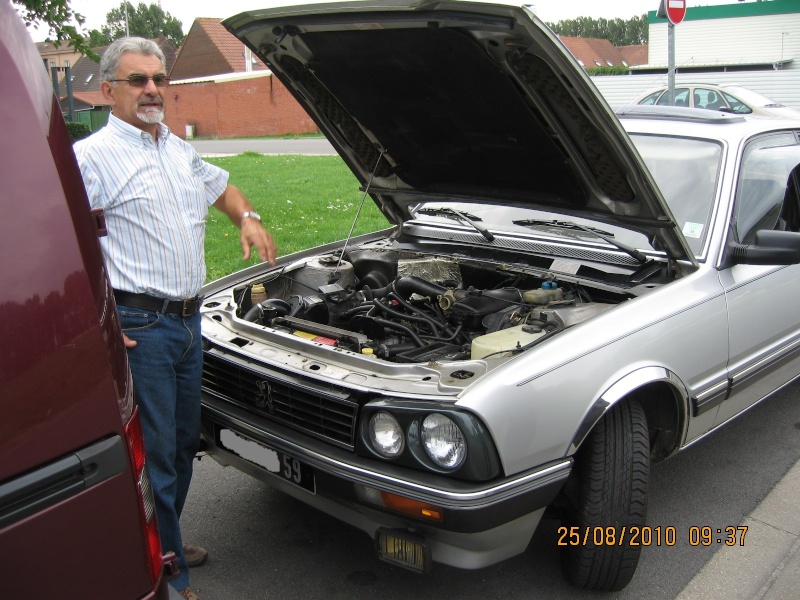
650,536
708,536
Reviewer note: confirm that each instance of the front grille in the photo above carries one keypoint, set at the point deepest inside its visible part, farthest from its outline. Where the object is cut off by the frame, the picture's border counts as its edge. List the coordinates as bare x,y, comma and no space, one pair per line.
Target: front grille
301,403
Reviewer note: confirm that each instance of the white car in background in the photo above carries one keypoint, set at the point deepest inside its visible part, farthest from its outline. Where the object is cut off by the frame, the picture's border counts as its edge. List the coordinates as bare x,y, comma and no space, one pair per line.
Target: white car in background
726,98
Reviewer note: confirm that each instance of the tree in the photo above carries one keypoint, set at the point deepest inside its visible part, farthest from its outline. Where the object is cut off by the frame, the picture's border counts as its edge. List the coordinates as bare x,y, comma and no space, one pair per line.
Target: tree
57,16
144,21
63,24
618,31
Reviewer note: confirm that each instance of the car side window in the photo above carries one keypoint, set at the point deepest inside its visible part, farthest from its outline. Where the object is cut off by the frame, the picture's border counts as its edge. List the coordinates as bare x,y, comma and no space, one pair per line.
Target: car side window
790,212
705,98
681,98
737,106
767,197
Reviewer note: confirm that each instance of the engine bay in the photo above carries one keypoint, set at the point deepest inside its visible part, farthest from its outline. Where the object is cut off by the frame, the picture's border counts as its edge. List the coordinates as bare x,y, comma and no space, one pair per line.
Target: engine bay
408,307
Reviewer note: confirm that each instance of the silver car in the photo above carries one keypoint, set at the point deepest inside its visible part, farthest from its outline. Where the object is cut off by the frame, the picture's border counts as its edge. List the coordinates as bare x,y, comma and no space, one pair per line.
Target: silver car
734,99
560,303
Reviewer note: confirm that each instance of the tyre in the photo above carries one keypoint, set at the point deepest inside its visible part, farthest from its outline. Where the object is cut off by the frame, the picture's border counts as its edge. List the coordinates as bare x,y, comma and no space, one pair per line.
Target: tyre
608,489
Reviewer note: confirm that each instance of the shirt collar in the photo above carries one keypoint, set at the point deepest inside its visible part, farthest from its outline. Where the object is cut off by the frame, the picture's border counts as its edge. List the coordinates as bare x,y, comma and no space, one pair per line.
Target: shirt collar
134,134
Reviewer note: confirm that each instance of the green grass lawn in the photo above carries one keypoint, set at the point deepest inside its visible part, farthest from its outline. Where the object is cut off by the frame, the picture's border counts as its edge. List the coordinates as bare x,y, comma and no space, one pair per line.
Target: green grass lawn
304,201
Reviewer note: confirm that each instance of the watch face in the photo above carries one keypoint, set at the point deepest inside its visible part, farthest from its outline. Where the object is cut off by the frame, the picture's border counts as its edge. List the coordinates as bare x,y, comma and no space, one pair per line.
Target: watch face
252,215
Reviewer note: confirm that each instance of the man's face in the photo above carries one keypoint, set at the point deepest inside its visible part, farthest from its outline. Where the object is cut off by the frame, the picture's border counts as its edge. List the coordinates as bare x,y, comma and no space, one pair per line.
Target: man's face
142,107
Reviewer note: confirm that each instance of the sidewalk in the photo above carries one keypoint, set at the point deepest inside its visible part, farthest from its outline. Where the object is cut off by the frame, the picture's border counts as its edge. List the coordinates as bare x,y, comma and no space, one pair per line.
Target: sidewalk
767,567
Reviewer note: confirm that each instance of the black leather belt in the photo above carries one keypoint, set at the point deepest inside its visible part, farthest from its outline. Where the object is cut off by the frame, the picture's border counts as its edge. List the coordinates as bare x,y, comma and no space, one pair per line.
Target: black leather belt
184,308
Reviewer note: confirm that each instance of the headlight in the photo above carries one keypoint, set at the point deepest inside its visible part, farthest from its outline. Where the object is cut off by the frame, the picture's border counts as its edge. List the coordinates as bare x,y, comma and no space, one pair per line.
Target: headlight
386,435
443,441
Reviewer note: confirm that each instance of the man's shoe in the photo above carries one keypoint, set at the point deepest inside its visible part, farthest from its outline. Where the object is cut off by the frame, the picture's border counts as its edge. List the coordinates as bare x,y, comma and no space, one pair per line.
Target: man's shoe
194,555
188,594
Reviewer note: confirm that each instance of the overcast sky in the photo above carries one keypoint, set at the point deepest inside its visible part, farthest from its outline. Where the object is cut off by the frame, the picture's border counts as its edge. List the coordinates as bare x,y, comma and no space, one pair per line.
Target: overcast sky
186,11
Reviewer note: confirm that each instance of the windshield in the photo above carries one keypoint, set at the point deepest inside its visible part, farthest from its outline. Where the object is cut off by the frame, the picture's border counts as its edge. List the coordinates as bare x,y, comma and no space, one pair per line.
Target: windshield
686,171
750,97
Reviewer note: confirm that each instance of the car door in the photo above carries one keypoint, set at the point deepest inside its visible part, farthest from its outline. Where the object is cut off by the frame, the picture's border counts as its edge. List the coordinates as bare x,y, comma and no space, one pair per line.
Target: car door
763,299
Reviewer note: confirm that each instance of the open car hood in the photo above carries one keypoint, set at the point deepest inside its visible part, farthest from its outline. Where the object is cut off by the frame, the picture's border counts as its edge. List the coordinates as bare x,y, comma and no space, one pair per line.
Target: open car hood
448,101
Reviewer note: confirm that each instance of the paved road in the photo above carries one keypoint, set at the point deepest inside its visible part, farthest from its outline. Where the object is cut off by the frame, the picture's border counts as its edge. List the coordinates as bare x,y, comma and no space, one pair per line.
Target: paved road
266,545
265,146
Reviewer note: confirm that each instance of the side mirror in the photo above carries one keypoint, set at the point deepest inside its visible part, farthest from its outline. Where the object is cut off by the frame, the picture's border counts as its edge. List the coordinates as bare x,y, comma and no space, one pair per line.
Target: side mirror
770,248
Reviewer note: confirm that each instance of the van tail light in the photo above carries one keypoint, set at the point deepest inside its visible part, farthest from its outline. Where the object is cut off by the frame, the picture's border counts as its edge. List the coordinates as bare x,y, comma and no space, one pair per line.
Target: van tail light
147,506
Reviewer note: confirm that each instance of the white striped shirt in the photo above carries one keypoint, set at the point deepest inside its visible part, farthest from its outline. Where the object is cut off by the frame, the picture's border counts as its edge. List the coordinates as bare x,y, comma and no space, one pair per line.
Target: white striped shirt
155,197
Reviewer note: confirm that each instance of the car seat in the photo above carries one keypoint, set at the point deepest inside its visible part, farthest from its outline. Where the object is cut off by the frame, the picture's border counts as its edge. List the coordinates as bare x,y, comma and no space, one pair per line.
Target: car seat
714,101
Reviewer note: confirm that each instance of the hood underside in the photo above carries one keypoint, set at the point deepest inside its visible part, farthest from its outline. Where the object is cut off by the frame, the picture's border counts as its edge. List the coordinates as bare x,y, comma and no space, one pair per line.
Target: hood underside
459,100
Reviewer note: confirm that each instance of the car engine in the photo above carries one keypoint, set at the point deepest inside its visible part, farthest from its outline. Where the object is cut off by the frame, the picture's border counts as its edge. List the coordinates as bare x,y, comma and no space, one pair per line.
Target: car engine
414,308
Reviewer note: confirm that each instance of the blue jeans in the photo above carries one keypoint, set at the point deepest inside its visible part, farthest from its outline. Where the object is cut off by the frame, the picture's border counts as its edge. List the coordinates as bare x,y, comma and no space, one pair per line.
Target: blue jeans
167,365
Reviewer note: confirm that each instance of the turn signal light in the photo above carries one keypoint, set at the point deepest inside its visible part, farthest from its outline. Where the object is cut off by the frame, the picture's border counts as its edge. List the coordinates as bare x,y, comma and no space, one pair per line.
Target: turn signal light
400,504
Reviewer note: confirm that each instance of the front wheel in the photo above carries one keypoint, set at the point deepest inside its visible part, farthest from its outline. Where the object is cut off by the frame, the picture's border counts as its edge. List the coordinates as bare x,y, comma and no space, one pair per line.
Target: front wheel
608,489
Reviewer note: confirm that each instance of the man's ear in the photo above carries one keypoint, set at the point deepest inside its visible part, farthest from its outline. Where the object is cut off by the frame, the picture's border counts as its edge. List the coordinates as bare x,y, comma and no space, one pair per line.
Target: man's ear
108,91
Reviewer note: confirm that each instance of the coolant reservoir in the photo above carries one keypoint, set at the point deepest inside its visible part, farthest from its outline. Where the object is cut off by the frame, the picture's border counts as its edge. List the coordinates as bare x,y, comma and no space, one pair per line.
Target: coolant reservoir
505,339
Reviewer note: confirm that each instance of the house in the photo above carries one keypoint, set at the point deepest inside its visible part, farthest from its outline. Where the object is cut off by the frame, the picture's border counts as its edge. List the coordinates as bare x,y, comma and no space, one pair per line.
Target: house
220,89
209,49
60,57
749,36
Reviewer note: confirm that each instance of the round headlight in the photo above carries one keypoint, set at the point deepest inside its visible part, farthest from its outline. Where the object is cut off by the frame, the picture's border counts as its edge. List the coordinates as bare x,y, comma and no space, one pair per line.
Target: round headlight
443,441
386,435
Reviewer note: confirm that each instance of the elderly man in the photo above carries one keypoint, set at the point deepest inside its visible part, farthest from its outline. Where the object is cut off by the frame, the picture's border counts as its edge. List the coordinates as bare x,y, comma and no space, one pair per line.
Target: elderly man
155,191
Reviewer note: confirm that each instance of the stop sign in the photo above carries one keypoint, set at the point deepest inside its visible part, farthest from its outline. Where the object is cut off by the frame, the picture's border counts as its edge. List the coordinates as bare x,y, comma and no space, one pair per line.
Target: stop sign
676,11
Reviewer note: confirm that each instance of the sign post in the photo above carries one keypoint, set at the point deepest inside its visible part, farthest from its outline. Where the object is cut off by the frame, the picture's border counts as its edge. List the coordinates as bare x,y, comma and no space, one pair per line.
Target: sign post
675,11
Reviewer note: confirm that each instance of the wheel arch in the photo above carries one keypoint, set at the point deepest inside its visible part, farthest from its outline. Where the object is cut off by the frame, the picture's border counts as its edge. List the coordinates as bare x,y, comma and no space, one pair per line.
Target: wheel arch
661,394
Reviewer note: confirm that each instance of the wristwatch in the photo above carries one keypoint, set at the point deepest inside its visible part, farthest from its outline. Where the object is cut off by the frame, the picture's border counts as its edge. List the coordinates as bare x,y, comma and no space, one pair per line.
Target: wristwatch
250,214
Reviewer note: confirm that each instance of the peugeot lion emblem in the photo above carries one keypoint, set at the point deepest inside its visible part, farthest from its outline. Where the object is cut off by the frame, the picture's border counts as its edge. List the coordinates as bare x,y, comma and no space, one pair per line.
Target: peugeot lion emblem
264,397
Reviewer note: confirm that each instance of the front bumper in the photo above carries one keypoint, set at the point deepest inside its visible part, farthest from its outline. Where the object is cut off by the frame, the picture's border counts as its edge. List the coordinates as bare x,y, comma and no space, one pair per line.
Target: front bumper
483,522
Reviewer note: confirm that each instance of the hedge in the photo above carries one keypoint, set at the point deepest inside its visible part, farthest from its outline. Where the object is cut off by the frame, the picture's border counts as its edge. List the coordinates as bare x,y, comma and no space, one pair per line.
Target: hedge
78,131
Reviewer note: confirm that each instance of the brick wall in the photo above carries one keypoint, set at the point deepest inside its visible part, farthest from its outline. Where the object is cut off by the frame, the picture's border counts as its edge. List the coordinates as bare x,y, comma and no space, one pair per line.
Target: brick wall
255,106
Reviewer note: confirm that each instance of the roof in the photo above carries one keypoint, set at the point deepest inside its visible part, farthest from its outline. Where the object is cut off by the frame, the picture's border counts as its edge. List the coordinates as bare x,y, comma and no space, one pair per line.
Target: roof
88,98
48,48
209,49
634,55
597,52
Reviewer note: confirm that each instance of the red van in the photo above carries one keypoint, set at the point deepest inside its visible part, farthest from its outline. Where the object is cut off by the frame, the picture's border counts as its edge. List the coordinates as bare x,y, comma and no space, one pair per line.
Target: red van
77,518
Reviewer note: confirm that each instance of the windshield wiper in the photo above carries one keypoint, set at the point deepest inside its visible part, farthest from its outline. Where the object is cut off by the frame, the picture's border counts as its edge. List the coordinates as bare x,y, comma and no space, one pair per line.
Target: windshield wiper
599,233
461,217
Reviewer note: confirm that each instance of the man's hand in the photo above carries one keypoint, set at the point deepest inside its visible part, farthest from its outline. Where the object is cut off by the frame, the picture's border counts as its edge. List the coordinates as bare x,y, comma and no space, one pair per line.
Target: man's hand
253,235
129,343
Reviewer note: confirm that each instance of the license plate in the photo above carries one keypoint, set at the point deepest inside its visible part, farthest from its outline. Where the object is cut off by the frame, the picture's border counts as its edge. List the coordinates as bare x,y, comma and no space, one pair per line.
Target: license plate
283,465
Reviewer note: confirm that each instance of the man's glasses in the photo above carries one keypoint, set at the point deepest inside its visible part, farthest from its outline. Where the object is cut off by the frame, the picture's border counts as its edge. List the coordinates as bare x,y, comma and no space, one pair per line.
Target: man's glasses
141,80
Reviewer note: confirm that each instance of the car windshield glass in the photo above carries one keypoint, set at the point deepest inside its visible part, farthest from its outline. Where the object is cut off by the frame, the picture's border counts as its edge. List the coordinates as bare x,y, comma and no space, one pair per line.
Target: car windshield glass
686,171
762,186
752,98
